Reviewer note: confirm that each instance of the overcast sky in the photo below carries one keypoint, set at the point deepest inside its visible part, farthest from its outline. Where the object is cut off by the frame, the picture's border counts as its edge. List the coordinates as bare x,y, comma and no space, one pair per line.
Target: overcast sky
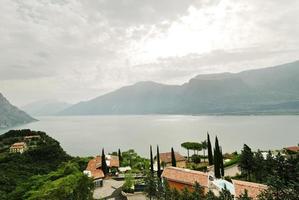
74,50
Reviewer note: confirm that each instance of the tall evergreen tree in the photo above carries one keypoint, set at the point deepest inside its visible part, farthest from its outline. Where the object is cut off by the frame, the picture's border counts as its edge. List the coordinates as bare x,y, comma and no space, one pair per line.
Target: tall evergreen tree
104,164
246,161
173,160
158,163
120,157
221,162
210,153
217,159
152,160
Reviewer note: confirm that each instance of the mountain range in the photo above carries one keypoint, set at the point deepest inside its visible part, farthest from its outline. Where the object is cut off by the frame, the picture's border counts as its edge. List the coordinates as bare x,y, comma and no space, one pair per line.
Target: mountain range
11,115
45,107
272,90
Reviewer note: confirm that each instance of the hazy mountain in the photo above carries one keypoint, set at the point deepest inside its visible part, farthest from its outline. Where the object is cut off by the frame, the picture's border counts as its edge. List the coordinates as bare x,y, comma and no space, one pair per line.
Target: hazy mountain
273,90
11,115
45,107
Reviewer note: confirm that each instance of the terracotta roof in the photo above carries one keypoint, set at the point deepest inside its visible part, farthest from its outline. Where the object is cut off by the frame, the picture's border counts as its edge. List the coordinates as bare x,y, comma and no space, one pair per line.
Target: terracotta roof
253,189
166,157
112,161
293,148
18,145
185,176
96,173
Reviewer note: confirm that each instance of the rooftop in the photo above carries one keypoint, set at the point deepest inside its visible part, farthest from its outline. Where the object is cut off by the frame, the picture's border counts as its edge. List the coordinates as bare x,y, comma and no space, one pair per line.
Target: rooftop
293,148
253,189
96,173
18,145
185,176
166,157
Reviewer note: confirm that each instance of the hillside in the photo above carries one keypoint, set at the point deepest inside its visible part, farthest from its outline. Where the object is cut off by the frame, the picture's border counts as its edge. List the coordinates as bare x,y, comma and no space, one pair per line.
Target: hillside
10,115
45,107
273,90
43,171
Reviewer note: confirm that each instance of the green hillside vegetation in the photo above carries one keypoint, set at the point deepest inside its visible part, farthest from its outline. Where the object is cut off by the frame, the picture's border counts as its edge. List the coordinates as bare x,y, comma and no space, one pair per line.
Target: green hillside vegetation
44,167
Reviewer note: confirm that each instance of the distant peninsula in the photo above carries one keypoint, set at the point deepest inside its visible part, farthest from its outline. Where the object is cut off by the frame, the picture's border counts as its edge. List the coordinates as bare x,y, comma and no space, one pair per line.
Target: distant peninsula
11,115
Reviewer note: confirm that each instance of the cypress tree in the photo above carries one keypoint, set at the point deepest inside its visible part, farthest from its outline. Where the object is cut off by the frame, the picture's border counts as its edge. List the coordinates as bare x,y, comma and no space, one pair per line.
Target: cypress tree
173,160
158,163
246,161
120,157
152,160
104,164
217,159
210,153
221,162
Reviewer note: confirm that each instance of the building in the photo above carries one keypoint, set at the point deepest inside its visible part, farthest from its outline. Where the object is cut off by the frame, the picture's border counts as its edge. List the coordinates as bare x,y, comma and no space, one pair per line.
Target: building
95,172
111,161
253,189
165,160
179,178
32,137
19,147
291,152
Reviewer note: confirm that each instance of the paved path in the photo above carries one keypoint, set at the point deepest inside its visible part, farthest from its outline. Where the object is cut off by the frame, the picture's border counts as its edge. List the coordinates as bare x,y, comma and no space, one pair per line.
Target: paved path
111,190
232,170
137,197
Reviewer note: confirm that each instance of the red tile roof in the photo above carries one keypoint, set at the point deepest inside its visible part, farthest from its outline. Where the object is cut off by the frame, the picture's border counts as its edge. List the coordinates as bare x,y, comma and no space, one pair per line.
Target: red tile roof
96,172
185,176
19,145
293,148
253,189
112,161
166,157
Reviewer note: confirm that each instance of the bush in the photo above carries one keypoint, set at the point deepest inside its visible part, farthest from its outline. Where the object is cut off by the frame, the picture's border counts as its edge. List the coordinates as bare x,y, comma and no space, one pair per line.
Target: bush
128,186
196,159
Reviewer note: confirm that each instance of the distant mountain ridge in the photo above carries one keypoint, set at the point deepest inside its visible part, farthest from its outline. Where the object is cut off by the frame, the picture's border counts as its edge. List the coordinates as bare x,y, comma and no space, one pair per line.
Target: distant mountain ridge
45,107
10,115
273,90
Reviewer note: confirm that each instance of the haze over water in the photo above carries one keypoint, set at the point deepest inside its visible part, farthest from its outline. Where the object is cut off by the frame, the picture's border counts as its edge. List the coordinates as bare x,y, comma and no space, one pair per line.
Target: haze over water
86,135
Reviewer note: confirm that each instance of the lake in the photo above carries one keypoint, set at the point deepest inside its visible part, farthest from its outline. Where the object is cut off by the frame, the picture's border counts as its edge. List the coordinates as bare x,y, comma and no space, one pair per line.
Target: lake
87,135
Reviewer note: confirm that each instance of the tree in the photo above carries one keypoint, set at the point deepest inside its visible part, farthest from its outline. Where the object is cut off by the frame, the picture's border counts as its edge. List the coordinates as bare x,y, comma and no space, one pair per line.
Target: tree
246,162
104,164
173,160
198,192
210,153
217,161
128,186
221,162
259,166
204,146
158,163
150,185
152,160
211,196
120,157
186,145
225,195
244,196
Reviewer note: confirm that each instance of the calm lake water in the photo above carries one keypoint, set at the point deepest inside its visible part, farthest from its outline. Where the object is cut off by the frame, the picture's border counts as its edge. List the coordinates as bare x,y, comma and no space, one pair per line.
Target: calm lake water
86,135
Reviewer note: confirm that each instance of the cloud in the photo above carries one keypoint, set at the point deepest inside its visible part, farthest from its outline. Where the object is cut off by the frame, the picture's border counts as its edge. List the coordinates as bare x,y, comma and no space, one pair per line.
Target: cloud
76,49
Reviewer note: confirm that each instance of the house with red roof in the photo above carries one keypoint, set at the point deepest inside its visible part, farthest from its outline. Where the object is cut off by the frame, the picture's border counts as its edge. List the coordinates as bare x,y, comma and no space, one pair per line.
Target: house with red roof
165,160
18,147
253,189
95,171
179,178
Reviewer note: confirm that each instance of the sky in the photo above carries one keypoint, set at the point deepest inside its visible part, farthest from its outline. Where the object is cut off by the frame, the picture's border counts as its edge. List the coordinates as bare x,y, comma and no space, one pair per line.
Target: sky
75,50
